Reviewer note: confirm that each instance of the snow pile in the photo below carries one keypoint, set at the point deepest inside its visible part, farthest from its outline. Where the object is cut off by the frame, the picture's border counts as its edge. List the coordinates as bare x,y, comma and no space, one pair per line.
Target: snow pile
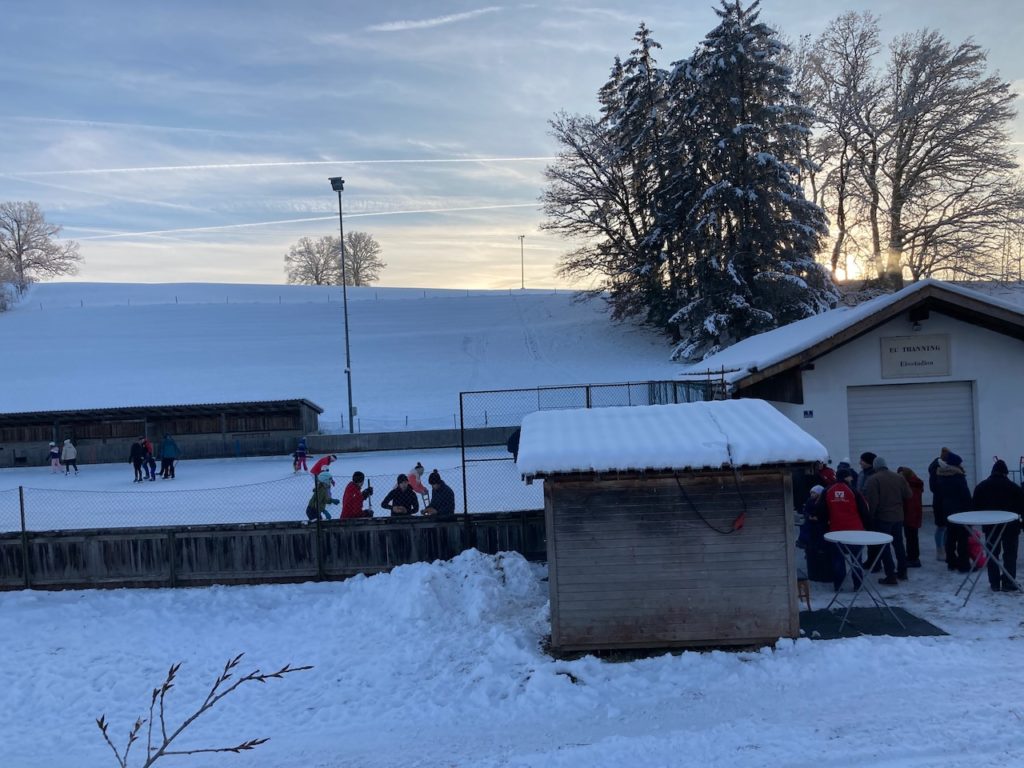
443,664
726,433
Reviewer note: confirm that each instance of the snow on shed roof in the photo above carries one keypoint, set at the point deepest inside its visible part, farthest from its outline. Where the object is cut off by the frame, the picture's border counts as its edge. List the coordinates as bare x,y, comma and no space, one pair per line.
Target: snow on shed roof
725,433
772,347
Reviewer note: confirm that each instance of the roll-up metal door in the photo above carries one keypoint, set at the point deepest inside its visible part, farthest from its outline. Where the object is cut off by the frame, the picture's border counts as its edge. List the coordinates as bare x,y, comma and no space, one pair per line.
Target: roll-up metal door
907,424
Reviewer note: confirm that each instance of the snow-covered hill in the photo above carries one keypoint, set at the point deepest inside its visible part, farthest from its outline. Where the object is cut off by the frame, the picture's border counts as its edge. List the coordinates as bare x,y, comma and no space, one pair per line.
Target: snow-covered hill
85,345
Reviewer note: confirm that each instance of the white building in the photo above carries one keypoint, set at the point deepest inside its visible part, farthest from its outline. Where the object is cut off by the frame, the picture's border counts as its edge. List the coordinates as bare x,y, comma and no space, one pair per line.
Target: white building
901,376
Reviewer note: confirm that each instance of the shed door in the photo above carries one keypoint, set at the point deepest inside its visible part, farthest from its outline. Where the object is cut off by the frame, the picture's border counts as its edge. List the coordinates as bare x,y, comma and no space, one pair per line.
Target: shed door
907,424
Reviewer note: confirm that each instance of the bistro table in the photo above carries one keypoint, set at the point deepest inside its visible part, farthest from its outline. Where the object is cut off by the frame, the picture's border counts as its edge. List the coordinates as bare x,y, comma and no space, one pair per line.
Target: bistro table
845,540
974,521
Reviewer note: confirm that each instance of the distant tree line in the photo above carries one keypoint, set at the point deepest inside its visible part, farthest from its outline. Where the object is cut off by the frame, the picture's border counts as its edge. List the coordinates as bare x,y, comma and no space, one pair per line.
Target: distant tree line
700,195
318,262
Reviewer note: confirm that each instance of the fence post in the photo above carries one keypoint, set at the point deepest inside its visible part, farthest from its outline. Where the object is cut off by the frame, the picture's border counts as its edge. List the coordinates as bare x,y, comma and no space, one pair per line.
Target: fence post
588,396
171,559
465,485
318,551
24,537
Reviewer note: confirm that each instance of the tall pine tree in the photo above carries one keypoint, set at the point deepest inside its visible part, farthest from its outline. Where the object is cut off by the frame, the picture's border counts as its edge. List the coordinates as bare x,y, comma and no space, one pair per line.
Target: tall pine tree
744,218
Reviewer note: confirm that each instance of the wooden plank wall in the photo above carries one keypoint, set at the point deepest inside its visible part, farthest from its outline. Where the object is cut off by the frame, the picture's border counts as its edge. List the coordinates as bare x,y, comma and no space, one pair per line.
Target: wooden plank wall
253,553
631,564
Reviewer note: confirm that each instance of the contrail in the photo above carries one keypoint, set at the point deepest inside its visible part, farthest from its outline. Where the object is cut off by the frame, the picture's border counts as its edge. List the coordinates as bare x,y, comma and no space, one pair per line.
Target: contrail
281,164
155,232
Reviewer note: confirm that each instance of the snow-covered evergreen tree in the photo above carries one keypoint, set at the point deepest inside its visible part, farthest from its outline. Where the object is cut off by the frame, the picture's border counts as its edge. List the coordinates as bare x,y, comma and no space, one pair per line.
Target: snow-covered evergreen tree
750,230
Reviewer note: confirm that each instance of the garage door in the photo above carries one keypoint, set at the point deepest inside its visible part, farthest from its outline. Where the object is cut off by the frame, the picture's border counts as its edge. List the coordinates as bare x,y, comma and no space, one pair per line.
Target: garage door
908,423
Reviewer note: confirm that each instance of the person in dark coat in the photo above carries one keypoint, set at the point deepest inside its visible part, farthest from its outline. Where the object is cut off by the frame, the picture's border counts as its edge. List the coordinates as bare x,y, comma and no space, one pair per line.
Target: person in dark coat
512,445
867,460
136,457
939,515
913,514
299,457
999,492
401,500
954,496
852,476
886,492
442,498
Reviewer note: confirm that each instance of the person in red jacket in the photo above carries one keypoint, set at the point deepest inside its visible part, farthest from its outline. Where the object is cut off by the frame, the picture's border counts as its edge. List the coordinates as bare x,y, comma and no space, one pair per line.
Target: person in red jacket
353,497
843,509
321,464
912,516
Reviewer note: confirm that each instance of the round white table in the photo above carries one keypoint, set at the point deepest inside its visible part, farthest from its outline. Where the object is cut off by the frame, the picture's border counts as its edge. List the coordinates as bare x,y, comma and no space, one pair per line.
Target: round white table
849,544
974,521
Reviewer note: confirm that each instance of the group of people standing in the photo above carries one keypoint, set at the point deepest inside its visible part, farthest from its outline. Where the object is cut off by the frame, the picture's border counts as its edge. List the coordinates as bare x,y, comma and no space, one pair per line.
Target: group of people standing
143,459
879,499
402,500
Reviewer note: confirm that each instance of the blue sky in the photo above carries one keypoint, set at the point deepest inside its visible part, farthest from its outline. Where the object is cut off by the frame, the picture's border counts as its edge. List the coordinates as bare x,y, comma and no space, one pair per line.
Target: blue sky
164,136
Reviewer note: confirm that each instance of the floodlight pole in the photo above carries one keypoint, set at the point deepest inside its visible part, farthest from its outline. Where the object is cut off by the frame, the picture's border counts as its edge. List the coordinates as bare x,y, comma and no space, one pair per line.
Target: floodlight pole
522,264
338,185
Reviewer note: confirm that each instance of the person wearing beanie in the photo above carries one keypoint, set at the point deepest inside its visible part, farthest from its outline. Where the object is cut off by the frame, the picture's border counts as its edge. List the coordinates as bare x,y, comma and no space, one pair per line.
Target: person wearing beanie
442,498
999,492
354,496
69,456
867,461
845,464
401,500
321,499
811,538
885,492
54,459
841,508
416,482
953,496
937,513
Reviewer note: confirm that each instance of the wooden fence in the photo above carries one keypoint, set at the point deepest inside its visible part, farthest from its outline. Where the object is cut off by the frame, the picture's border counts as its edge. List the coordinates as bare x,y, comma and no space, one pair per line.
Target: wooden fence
254,553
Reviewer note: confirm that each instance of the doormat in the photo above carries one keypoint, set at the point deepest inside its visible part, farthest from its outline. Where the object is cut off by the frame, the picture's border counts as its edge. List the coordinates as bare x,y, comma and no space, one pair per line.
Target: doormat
824,625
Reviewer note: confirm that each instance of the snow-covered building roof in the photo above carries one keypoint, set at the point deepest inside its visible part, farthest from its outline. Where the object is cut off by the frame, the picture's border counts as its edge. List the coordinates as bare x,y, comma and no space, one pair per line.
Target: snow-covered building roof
725,433
767,354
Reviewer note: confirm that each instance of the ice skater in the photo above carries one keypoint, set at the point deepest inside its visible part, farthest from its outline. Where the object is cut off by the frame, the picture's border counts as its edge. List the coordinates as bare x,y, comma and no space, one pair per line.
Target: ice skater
54,459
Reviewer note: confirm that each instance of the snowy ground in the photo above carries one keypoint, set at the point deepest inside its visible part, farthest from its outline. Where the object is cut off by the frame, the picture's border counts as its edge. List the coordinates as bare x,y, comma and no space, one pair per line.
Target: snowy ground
441,664
412,351
241,490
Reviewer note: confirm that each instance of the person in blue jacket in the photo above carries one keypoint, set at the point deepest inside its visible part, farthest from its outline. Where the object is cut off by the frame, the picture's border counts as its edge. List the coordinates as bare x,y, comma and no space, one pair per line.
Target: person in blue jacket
169,454
299,457
442,498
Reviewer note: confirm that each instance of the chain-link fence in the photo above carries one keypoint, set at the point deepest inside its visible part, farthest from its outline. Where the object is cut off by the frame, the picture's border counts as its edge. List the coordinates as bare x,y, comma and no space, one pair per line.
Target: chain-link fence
491,480
44,509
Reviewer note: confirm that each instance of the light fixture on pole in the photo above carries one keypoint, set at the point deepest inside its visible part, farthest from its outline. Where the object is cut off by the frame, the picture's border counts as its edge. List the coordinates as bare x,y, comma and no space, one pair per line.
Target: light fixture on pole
522,264
338,185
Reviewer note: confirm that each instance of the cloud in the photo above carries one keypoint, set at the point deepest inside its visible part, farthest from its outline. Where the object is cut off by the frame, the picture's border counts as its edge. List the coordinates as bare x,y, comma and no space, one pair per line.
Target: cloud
437,21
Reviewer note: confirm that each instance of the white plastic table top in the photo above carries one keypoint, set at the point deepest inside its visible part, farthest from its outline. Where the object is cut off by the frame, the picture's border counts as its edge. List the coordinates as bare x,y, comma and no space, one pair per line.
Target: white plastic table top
858,538
982,517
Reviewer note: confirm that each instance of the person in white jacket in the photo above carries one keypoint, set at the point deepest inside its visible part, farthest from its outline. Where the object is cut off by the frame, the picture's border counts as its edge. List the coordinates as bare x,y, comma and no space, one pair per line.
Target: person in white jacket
69,457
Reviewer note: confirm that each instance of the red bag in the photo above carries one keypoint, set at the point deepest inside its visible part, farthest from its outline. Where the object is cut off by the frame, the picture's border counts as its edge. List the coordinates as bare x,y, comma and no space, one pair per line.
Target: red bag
975,550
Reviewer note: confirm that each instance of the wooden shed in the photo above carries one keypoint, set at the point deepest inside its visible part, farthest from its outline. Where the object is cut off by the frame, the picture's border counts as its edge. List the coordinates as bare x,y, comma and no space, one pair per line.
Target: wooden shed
668,525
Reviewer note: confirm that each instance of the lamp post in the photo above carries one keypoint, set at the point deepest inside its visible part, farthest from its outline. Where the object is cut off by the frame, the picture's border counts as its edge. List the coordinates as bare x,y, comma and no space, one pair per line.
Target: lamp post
338,185
522,264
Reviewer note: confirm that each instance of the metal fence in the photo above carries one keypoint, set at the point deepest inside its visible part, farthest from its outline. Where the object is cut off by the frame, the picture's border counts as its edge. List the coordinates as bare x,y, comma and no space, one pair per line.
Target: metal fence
489,477
152,504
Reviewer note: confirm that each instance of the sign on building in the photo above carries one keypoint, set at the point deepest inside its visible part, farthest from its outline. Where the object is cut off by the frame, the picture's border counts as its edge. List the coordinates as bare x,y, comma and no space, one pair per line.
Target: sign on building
904,356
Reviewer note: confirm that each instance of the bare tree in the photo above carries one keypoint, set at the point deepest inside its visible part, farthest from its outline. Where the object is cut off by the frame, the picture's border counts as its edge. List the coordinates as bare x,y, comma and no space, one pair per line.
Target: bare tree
947,157
30,246
161,747
363,264
313,262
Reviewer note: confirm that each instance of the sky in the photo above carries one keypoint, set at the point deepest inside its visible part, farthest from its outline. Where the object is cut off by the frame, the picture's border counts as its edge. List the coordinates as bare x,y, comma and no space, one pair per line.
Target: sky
193,141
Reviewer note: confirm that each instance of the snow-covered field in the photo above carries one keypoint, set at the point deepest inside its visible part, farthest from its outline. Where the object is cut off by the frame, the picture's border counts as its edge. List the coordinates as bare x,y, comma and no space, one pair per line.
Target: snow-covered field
86,345
441,665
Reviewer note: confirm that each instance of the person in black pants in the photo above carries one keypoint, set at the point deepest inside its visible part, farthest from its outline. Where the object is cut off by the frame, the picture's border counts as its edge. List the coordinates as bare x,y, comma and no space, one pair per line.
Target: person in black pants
999,492
136,457
954,496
